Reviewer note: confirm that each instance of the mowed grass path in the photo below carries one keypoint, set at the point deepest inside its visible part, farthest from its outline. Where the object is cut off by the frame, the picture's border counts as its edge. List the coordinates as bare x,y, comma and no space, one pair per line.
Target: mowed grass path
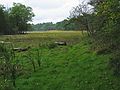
71,67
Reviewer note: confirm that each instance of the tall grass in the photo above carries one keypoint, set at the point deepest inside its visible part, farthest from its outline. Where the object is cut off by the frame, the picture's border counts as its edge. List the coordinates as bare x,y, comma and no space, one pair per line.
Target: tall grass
31,59
8,63
47,67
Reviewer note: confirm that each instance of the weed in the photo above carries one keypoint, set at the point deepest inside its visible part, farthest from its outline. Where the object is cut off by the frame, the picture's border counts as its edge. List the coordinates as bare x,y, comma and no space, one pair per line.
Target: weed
8,63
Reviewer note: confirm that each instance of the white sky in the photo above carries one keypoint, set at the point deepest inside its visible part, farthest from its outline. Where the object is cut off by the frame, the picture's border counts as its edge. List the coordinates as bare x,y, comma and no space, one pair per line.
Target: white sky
46,10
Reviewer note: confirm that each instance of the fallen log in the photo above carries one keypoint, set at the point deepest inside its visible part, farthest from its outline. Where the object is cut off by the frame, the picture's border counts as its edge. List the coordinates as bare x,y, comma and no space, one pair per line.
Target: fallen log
63,43
21,49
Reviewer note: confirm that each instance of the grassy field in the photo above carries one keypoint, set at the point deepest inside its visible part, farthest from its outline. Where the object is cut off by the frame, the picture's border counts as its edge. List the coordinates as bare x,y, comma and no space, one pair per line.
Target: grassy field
34,39
71,67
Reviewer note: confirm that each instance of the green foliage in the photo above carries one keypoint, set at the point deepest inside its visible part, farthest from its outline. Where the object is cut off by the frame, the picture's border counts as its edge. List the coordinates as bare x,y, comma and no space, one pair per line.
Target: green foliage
44,26
20,16
82,16
63,25
2,21
102,23
115,64
15,19
107,33
8,64
107,28
39,56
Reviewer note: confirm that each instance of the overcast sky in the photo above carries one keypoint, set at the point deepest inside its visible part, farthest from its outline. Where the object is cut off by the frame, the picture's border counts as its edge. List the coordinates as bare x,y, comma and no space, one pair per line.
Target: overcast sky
46,10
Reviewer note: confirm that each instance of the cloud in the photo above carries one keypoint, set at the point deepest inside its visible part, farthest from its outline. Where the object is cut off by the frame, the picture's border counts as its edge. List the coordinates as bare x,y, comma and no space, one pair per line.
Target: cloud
54,14
47,10
46,4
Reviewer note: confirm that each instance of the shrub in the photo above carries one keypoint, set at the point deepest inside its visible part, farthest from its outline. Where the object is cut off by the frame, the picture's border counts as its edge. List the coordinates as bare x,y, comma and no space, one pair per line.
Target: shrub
115,64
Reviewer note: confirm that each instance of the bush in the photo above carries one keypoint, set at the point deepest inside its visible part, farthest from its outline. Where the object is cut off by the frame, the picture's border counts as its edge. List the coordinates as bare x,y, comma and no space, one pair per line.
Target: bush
115,64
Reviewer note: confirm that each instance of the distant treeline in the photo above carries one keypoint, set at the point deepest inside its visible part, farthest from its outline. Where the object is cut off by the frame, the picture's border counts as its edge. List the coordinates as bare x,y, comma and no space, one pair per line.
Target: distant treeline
15,20
63,25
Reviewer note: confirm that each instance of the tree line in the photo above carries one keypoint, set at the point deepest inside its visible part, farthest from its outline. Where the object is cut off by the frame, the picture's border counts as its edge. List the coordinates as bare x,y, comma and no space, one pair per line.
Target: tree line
15,20
62,25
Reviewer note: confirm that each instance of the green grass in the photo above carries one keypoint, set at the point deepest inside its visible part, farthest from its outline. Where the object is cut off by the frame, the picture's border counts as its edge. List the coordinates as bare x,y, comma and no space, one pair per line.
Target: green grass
71,67
34,39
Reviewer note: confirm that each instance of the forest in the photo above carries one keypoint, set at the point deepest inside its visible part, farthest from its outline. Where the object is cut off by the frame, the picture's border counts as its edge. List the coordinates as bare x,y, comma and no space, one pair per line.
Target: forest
81,52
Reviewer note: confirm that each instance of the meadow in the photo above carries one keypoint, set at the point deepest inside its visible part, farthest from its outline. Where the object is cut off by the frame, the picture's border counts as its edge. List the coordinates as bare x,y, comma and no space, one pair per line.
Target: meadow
55,67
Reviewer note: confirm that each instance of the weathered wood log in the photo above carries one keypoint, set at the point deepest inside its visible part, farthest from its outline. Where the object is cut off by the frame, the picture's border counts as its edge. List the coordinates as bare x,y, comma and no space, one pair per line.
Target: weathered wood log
21,49
63,43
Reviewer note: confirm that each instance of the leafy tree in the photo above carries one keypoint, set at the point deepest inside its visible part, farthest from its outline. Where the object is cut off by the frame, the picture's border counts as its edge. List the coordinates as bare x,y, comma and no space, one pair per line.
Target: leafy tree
109,23
107,33
2,20
20,15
